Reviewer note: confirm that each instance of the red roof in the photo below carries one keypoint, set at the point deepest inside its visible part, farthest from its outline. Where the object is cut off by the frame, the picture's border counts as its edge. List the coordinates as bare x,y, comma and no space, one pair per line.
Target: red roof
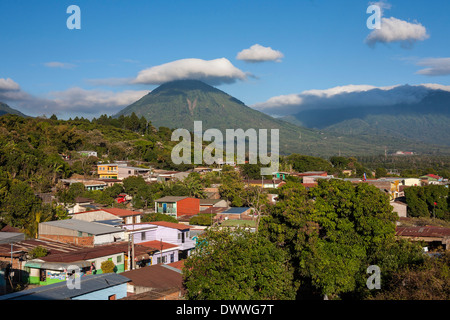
117,212
158,245
178,264
96,252
433,176
173,225
156,277
10,229
310,185
425,231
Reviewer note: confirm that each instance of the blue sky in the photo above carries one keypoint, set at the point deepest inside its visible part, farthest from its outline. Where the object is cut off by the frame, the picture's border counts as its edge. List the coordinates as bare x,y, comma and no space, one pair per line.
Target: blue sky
46,68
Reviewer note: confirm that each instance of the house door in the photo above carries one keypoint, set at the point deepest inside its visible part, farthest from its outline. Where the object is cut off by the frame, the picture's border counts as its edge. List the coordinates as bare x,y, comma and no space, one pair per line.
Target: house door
42,275
164,207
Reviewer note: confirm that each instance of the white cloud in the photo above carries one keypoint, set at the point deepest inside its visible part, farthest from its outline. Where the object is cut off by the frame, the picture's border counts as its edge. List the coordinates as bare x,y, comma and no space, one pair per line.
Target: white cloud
75,98
258,53
280,101
435,66
326,93
214,72
306,96
10,91
436,86
73,101
61,65
8,85
396,30
382,4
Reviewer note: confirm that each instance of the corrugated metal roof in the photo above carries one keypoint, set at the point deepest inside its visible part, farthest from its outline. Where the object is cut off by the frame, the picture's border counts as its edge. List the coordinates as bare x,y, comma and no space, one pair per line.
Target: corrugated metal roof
97,252
172,225
170,199
61,291
84,226
53,247
155,276
210,201
424,231
11,237
117,212
158,245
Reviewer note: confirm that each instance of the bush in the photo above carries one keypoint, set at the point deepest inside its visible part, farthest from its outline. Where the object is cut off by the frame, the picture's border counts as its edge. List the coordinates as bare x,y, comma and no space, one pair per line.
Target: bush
202,219
38,252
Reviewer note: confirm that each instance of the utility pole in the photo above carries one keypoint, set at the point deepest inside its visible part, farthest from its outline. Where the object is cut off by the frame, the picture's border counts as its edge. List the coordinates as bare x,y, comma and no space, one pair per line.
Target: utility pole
132,252
161,250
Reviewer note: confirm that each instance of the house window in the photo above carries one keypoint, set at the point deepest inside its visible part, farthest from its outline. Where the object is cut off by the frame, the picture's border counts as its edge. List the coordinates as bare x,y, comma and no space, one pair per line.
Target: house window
164,259
158,260
143,236
80,234
119,259
172,257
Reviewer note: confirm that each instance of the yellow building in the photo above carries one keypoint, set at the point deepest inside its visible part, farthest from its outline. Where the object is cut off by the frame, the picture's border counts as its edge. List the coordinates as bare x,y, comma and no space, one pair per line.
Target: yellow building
108,171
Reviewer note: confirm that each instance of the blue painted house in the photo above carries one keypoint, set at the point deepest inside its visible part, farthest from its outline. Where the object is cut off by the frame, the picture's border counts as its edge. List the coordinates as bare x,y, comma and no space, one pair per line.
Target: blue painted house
107,286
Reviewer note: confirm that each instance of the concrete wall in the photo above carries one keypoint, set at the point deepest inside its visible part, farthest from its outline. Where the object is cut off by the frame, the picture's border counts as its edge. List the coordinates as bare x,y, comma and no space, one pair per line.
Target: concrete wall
81,241
399,208
109,238
188,206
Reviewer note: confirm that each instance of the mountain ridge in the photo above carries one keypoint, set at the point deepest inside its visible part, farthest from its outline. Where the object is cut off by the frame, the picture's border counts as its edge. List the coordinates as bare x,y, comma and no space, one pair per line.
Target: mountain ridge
178,104
5,109
426,121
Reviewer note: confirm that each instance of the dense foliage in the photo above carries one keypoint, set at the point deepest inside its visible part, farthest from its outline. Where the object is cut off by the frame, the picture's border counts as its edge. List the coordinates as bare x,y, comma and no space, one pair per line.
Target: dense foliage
333,233
428,201
239,265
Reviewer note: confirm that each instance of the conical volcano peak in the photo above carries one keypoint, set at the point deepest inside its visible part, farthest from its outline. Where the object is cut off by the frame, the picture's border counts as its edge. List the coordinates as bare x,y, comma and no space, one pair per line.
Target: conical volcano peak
186,85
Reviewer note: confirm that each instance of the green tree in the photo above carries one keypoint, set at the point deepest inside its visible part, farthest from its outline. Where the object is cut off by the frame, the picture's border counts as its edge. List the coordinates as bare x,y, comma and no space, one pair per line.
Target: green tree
426,201
428,280
19,204
193,184
339,162
332,233
237,265
380,172
232,188
302,163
